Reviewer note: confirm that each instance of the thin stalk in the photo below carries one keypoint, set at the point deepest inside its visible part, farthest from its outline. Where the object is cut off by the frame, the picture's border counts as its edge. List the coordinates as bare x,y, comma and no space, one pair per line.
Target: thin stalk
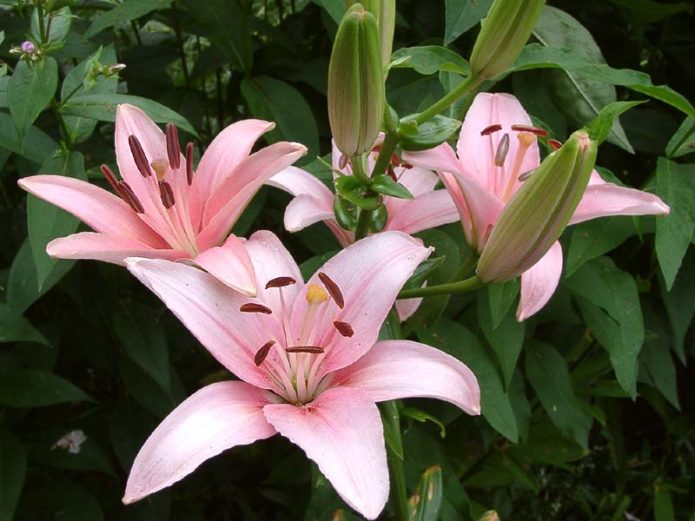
438,106
220,99
137,32
358,169
464,286
399,491
387,148
179,40
42,27
362,228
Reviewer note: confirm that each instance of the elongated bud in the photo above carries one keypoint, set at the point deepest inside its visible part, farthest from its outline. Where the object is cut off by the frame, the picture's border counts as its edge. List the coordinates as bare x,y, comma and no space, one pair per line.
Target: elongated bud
356,96
504,32
385,13
538,213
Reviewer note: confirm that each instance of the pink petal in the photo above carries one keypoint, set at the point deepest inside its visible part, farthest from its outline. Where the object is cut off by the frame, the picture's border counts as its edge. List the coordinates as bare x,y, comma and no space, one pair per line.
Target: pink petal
539,283
441,158
103,247
370,273
395,369
99,209
604,199
313,200
227,150
231,198
407,307
341,431
494,109
216,418
422,213
210,310
418,181
231,264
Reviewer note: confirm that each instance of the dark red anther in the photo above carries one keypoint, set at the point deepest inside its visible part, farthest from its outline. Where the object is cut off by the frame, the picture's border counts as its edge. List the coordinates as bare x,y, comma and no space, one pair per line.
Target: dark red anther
343,161
491,129
262,353
344,328
173,147
305,349
540,132
189,163
391,172
395,160
139,156
280,282
127,194
502,149
333,289
110,177
167,194
555,144
407,166
253,307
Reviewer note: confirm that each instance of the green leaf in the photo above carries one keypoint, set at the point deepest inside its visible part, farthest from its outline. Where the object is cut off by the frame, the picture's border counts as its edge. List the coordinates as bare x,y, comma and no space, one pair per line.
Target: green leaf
422,417
649,11
430,134
36,145
144,341
278,101
46,222
70,501
459,342
663,504
683,141
225,24
425,504
621,330
548,374
656,359
335,8
384,184
430,59
546,445
675,184
60,22
593,238
35,388
13,467
102,107
462,15
30,90
580,98
16,328
391,419
125,12
600,127
501,296
680,302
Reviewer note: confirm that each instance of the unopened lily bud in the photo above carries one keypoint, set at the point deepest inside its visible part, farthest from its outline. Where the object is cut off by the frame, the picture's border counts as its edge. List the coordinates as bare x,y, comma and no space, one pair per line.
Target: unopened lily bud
504,32
356,96
385,13
538,213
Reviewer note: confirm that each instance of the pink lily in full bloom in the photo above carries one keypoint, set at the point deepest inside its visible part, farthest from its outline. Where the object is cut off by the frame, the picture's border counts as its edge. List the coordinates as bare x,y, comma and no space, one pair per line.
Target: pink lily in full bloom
310,365
162,207
496,150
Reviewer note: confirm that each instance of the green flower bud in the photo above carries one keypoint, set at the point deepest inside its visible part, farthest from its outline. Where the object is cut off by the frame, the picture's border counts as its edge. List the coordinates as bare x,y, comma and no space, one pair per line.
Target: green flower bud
538,213
356,96
385,13
504,32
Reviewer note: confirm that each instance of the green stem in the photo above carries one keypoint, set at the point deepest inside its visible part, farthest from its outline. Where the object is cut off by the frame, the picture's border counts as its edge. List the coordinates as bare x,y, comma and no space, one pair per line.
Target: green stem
464,286
42,27
362,228
387,148
468,85
64,132
399,491
466,267
134,26
358,170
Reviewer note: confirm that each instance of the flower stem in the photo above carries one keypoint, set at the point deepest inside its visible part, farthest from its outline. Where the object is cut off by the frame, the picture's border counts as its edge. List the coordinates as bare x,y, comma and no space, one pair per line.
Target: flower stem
362,228
399,492
387,148
464,286
438,106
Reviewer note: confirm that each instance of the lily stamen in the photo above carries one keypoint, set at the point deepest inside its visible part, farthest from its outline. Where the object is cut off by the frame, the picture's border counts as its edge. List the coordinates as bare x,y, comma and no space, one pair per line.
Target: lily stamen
332,289
167,194
490,129
110,178
189,163
127,194
173,147
139,156
502,149
305,349
540,132
263,352
253,307
555,144
344,328
280,282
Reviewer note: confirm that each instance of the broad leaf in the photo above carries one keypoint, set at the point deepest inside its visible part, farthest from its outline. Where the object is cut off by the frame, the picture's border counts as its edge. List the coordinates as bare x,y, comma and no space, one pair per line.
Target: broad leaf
36,388
16,328
30,90
462,15
127,11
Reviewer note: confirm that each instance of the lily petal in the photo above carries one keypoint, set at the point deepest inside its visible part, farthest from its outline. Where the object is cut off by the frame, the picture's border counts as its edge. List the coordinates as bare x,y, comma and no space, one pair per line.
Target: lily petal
370,273
418,181
441,158
605,199
226,152
214,419
426,211
539,283
407,307
341,431
313,200
395,369
231,264
104,247
100,210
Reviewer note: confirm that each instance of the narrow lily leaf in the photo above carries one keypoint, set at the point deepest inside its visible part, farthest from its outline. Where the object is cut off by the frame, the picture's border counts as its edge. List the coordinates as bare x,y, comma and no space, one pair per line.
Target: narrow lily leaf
16,328
125,12
683,141
60,20
13,467
594,238
462,15
430,134
663,504
430,59
680,303
36,145
391,419
501,297
425,504
422,417
36,388
656,359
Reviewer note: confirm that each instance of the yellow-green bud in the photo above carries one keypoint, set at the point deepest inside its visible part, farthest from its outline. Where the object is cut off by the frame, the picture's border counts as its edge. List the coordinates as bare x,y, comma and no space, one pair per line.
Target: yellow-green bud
385,13
538,213
504,32
356,96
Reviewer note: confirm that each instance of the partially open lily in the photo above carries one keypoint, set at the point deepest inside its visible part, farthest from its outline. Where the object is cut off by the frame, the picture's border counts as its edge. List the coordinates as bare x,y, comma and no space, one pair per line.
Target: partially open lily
496,151
162,207
309,360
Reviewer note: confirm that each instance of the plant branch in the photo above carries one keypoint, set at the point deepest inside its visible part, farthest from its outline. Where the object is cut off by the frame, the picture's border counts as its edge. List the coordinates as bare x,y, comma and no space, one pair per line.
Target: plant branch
464,286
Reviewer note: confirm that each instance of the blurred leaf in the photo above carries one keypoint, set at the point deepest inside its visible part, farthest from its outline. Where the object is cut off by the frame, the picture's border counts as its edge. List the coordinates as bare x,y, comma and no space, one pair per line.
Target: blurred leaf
548,374
546,445
391,419
30,90
430,134
459,342
680,302
462,15
422,417
46,221
599,128
70,501
36,145
675,184
580,98
593,238
430,59
13,466
90,457
102,107
614,291
16,328
424,505
649,11
278,101
683,141
125,12
60,21
663,504
36,388
335,8
225,24
500,297
145,390
656,358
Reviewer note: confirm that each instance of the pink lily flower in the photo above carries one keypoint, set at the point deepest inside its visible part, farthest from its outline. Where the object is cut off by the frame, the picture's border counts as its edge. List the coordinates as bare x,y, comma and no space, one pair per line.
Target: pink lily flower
162,208
496,150
310,365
